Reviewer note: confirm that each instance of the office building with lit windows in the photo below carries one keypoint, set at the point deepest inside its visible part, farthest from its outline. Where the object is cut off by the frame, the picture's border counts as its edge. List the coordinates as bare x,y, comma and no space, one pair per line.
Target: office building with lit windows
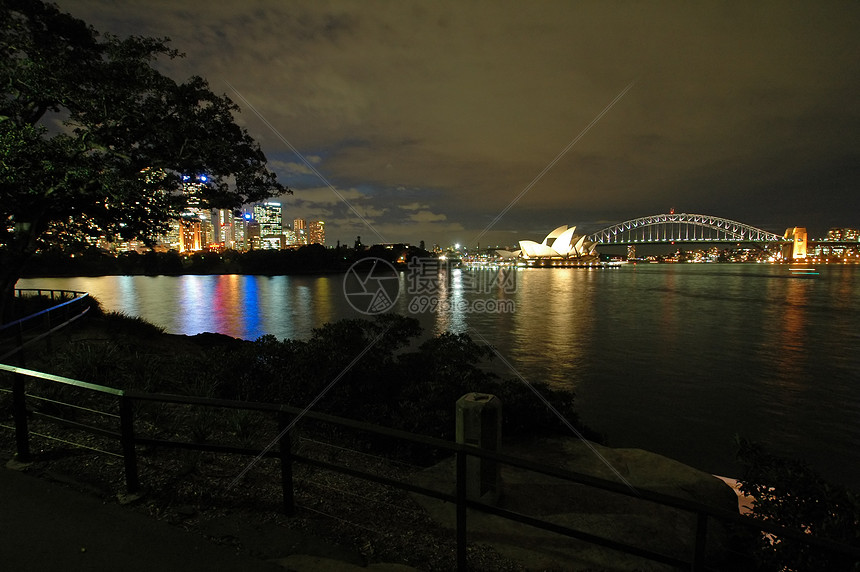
316,232
300,227
270,218
843,234
225,223
196,229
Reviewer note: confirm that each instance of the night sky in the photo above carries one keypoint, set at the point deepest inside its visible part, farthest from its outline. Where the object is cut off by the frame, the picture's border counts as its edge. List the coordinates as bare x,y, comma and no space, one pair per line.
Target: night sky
431,118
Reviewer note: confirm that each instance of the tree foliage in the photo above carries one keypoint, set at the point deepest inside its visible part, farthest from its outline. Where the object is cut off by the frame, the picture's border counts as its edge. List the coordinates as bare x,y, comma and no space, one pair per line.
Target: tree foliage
94,139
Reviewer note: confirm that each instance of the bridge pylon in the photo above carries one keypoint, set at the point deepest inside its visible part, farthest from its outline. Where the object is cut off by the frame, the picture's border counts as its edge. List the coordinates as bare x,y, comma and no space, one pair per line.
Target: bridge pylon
797,249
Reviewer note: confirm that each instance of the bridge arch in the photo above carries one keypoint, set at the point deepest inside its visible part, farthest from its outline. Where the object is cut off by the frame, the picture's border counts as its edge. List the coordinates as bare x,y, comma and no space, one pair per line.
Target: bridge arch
681,227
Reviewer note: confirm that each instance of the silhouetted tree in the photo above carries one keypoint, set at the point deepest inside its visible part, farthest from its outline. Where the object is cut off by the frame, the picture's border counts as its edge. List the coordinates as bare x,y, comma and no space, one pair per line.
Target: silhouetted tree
94,140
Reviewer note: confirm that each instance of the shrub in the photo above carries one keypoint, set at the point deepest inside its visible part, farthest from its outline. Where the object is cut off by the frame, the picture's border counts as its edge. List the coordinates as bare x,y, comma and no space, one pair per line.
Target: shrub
392,385
789,493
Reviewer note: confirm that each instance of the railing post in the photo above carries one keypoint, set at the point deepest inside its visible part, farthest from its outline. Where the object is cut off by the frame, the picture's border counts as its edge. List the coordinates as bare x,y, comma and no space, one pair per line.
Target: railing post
19,413
48,345
129,453
479,424
20,353
285,455
701,541
461,511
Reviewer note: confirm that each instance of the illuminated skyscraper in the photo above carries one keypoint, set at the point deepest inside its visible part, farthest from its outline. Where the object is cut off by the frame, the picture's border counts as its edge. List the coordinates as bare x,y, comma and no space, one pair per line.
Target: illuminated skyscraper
301,230
268,216
290,237
239,227
225,227
316,232
252,235
190,235
196,229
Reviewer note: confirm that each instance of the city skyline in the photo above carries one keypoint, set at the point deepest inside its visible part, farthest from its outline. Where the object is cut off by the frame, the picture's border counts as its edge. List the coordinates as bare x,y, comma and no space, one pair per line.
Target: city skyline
449,122
257,226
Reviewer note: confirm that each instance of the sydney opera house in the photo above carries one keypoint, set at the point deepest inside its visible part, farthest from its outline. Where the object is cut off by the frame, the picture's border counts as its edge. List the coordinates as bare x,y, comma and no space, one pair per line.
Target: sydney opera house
562,243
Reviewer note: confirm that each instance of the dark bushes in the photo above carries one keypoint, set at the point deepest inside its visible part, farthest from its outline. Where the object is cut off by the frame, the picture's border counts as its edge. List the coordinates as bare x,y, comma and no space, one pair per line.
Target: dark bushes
791,494
374,371
392,383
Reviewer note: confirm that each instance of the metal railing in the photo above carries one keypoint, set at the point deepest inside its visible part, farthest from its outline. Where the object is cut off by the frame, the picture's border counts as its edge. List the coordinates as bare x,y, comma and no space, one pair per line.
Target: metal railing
19,334
287,417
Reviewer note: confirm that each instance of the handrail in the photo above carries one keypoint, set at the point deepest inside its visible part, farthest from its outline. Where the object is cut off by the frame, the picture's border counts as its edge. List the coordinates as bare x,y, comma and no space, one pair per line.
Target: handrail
128,441
79,298
565,474
60,379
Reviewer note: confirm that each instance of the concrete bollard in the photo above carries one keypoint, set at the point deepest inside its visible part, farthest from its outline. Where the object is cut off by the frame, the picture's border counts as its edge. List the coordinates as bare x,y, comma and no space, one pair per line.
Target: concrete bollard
479,424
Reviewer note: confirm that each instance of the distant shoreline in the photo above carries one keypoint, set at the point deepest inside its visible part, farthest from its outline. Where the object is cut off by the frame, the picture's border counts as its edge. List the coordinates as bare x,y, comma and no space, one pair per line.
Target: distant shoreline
308,260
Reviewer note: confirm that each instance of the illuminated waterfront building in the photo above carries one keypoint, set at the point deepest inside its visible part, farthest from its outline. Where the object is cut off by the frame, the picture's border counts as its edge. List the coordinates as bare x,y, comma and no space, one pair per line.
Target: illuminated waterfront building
222,220
239,231
252,235
316,232
229,229
561,243
196,230
269,216
170,239
190,235
843,234
301,230
289,237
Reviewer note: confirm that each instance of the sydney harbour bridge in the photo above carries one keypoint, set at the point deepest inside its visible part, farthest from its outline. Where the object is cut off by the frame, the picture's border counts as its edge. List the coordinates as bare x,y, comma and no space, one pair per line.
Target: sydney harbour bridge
683,227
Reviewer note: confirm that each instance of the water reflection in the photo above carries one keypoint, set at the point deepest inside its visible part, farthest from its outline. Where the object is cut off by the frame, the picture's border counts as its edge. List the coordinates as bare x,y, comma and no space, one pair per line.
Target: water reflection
667,329
552,324
126,293
793,330
195,303
321,290
252,327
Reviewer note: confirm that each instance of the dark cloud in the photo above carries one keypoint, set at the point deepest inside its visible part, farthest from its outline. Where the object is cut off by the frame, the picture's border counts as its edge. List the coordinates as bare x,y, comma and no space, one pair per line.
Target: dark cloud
743,110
